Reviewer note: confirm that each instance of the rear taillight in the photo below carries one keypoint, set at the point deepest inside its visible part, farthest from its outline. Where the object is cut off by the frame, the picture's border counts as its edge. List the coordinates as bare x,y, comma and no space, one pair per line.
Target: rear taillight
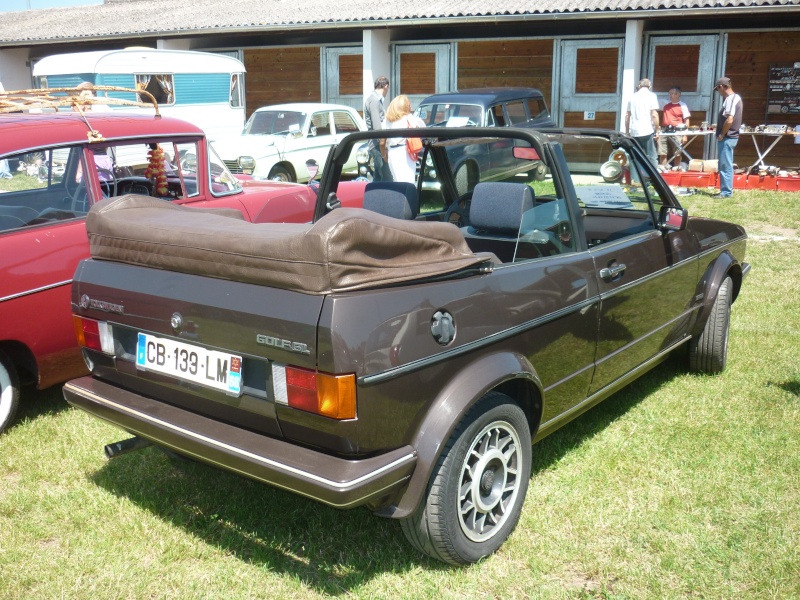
95,335
332,396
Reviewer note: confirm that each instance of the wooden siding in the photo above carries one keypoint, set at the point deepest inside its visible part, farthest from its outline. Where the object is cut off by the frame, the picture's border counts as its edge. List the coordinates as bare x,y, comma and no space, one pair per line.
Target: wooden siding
676,66
603,120
698,116
418,73
507,63
351,72
749,58
597,71
278,75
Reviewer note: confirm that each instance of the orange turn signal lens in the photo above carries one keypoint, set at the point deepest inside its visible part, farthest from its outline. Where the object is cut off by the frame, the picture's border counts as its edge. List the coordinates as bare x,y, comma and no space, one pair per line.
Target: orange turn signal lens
337,395
87,332
95,335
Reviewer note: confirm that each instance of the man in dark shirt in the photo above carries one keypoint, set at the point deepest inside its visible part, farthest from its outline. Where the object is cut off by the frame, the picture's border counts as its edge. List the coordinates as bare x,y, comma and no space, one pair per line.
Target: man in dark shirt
374,115
728,124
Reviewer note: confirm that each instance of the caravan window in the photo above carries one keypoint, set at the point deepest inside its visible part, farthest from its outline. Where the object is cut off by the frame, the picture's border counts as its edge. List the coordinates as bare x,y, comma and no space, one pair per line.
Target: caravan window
162,87
237,87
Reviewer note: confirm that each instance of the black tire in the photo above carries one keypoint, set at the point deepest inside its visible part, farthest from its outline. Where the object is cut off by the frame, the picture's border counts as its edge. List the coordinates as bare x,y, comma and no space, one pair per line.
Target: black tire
539,173
9,391
463,518
708,352
279,173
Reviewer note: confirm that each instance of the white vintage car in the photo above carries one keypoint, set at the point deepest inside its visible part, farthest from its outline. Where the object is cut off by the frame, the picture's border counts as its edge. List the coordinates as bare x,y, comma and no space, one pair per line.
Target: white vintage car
278,140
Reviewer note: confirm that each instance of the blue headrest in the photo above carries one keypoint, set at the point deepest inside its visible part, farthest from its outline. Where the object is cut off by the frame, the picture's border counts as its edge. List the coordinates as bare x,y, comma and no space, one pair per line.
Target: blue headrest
396,199
498,206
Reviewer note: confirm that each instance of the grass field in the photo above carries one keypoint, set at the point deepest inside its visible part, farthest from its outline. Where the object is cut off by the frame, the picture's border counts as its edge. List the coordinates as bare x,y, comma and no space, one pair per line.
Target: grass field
678,486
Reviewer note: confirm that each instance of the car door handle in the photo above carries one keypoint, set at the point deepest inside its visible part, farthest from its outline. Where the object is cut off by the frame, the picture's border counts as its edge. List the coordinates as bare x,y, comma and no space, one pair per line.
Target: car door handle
612,273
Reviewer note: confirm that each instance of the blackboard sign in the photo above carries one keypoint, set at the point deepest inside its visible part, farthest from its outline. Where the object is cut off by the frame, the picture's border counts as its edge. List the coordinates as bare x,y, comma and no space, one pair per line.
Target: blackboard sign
783,96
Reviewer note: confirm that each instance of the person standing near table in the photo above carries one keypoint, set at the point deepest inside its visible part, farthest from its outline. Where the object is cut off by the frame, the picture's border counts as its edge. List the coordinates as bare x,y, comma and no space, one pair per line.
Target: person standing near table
374,115
641,119
675,113
728,124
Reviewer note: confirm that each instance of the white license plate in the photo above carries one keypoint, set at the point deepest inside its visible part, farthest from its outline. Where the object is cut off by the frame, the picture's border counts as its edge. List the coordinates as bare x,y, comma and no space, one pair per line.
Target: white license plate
210,368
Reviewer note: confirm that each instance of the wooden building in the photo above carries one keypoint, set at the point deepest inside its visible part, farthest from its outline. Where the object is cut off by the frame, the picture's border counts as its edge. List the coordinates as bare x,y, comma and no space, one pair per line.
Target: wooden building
585,55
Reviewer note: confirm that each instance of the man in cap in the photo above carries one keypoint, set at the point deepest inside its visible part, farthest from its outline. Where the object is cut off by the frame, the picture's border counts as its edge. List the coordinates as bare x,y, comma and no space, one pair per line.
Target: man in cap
641,119
728,124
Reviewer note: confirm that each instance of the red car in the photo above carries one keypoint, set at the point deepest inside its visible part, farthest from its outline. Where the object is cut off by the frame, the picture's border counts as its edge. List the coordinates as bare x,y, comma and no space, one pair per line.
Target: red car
53,167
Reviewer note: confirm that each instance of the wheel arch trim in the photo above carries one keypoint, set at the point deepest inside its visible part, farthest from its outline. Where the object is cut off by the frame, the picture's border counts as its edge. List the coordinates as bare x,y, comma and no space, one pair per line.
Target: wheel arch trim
286,165
502,371
724,265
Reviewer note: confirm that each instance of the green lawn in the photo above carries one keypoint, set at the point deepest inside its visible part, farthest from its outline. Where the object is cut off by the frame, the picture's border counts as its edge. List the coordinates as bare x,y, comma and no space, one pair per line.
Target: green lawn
678,486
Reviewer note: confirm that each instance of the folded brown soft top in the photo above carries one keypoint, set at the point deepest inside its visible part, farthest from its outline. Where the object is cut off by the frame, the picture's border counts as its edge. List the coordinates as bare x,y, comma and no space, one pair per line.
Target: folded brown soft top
348,249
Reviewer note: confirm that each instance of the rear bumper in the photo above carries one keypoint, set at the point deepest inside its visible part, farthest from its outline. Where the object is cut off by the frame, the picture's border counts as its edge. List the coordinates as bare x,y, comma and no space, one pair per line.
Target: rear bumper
334,481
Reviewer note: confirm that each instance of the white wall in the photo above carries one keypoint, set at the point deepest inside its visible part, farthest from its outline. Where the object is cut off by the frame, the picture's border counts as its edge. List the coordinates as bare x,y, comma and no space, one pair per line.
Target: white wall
15,74
377,57
632,65
174,44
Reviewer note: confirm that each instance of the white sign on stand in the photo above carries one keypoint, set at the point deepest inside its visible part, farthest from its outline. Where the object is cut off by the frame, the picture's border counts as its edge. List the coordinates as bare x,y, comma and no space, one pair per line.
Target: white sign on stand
603,196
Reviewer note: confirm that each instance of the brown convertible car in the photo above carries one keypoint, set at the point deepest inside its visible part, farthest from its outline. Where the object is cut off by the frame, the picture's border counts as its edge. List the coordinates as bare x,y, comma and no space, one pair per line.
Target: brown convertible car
404,356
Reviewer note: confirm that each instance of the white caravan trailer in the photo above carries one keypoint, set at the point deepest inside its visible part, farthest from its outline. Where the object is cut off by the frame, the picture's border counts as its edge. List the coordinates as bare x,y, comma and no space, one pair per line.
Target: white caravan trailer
203,88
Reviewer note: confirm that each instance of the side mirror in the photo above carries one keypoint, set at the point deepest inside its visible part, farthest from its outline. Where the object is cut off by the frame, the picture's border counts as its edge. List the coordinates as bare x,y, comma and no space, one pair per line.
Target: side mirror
671,218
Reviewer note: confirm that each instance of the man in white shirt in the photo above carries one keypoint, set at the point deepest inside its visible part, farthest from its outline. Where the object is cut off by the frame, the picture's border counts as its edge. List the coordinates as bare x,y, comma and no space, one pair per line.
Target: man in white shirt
641,119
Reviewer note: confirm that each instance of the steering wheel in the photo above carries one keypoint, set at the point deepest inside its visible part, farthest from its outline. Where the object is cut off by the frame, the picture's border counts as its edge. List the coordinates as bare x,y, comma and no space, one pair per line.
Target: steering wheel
134,185
77,199
109,182
457,214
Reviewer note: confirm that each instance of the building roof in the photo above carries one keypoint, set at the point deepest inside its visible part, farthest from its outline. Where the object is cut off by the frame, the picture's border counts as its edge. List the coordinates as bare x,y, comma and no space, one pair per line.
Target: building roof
160,18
